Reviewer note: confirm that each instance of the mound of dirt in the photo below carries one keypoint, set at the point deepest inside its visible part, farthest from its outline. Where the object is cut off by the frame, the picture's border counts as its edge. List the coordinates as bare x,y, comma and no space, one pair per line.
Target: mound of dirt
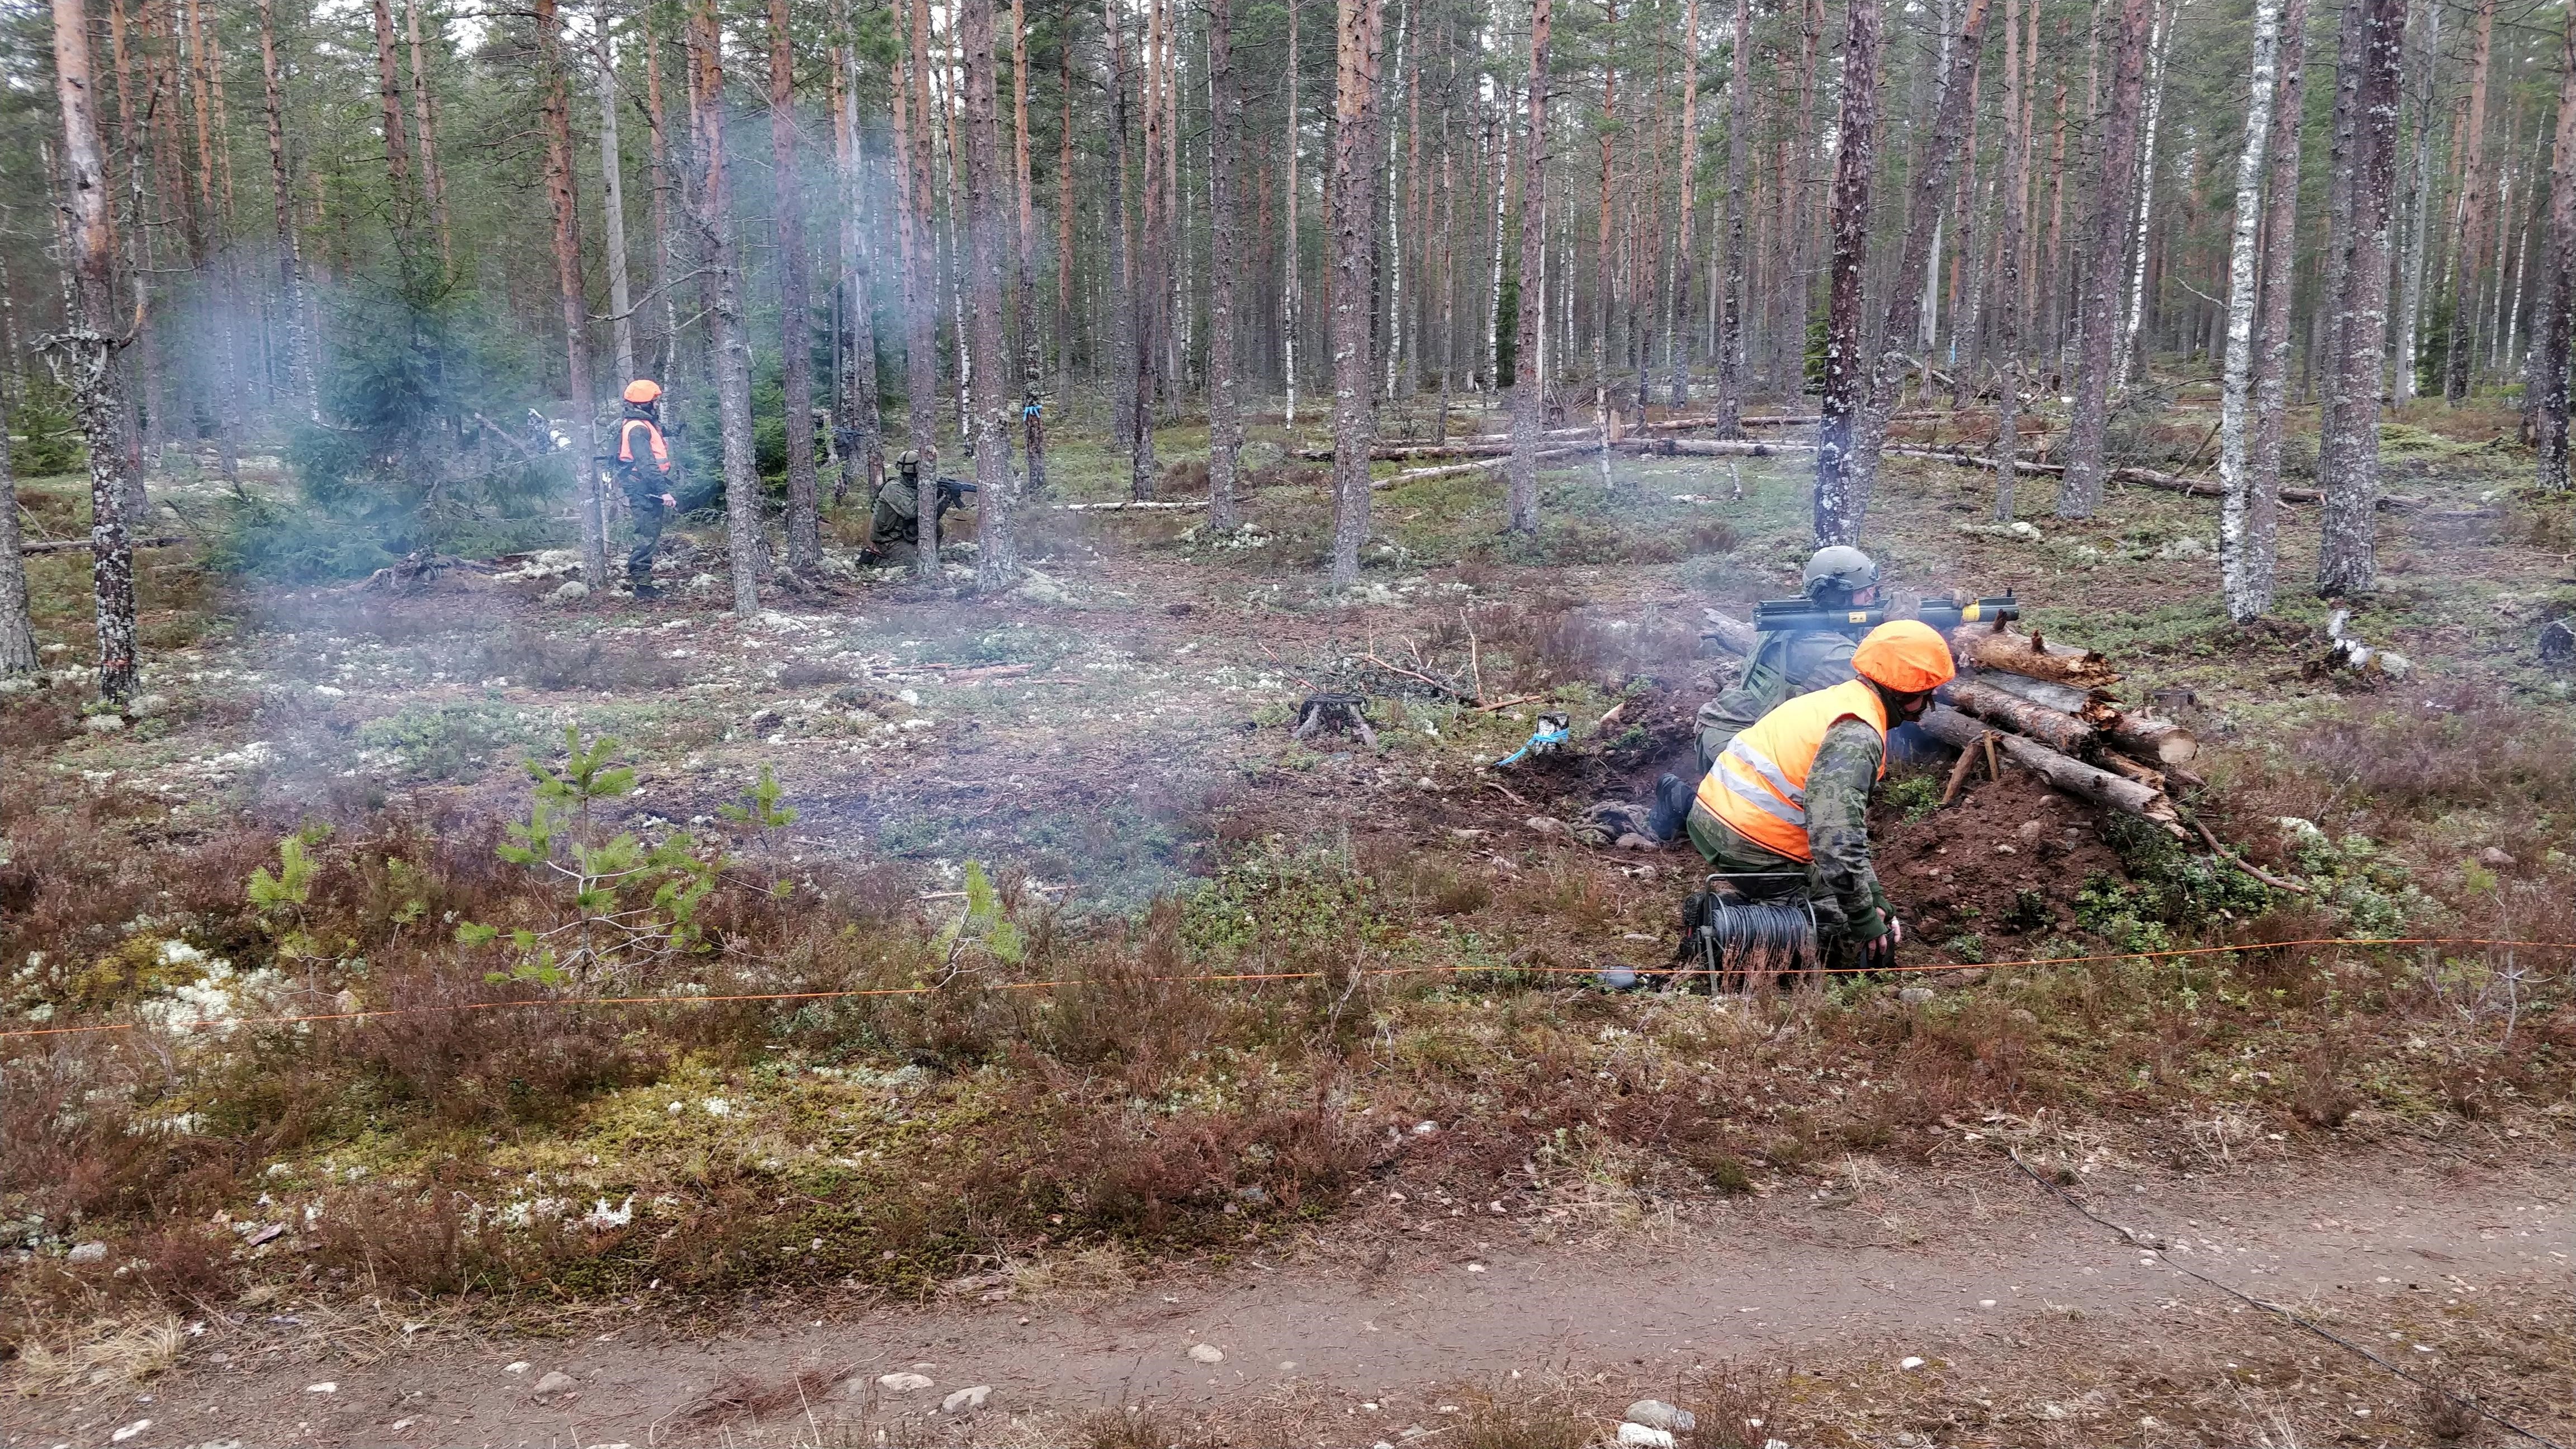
2002,863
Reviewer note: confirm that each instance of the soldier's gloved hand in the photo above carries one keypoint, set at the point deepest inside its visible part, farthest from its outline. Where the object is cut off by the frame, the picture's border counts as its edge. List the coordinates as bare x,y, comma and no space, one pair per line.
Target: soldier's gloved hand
670,502
1878,953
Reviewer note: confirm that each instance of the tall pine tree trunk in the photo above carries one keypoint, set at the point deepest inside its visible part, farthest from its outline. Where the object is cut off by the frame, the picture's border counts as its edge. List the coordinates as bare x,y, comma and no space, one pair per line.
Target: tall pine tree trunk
745,548
17,628
1601,304
2469,244
921,293
795,300
2557,315
84,353
997,557
2233,471
1528,369
389,93
290,264
1354,401
1291,287
424,114
1940,152
2348,439
1676,356
1032,352
1847,370
1225,417
612,211
2010,305
2097,313
2419,202
1063,218
1737,201
556,100
855,416
2259,545
1121,361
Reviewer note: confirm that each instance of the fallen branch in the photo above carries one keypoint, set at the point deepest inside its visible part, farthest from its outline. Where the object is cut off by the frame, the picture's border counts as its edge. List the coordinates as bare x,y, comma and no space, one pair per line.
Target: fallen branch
1508,703
1128,505
1959,775
2247,866
81,545
1417,475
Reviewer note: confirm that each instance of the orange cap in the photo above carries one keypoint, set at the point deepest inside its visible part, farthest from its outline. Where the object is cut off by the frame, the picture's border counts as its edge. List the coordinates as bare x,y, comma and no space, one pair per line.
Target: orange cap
1905,655
643,390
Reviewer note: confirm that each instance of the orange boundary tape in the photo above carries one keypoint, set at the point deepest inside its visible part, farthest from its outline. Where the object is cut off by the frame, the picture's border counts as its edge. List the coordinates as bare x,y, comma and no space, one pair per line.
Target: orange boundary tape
2367,941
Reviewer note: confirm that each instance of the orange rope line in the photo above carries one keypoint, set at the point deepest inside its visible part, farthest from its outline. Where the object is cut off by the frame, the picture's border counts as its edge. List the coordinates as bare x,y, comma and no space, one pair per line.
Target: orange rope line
854,992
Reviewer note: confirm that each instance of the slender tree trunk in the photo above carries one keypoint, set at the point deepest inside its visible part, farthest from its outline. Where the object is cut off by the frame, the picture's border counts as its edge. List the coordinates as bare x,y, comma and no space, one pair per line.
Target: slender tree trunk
1354,401
612,211
2097,320
1122,268
17,628
1737,201
1032,351
424,112
1395,239
389,89
921,307
2233,471
1676,356
856,389
1601,304
1939,154
2556,317
744,546
2469,245
2008,254
1151,259
997,559
795,300
1064,226
84,353
290,265
2348,441
665,177
2317,366
557,103
1528,368
1225,417
1291,284
2252,585
2144,210
1838,509
2418,204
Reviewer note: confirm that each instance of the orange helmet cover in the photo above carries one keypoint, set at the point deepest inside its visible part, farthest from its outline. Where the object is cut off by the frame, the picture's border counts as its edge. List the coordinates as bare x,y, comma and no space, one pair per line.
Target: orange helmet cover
1905,655
643,390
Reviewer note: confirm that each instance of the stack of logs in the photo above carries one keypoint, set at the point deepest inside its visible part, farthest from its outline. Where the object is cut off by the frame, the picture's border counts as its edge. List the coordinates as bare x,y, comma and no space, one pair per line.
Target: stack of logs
2050,709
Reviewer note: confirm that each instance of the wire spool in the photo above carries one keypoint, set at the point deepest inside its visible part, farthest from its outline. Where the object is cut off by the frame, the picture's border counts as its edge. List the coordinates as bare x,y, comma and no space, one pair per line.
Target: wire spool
1743,943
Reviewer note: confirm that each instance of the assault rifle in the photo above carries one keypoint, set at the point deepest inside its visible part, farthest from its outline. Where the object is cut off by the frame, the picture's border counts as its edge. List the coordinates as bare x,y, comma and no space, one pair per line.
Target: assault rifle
1780,616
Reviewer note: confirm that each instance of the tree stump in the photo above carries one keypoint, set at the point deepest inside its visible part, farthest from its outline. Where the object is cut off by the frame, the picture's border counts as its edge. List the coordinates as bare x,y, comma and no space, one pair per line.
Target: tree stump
1339,713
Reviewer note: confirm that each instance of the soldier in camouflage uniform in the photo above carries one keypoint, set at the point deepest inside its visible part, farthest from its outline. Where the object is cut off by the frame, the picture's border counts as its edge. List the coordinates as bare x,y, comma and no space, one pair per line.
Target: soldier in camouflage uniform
1789,796
894,529
1784,664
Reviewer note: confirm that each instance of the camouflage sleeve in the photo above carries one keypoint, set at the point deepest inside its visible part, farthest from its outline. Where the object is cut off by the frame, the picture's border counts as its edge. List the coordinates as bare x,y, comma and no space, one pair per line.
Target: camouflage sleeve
1838,786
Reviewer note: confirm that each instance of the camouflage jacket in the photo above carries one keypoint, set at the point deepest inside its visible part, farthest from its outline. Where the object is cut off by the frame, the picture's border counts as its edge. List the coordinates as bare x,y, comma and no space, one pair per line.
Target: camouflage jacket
1782,665
1841,883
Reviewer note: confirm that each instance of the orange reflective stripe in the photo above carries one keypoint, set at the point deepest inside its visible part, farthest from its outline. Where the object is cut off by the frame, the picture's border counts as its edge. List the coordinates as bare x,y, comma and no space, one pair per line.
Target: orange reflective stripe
1759,785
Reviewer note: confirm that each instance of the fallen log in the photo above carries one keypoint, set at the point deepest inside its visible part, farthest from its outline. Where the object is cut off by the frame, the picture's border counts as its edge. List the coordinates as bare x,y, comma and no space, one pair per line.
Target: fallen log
2031,656
2056,729
2074,777
2093,706
1733,635
1132,505
81,545
2138,770
1706,447
2156,741
2159,742
1417,475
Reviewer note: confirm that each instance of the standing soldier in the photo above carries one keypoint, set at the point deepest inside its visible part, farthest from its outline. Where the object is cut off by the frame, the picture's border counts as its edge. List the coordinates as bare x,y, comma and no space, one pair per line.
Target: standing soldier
639,439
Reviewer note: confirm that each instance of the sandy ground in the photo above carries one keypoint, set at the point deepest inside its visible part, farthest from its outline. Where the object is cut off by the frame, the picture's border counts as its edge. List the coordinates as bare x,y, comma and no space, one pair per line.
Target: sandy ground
2014,1303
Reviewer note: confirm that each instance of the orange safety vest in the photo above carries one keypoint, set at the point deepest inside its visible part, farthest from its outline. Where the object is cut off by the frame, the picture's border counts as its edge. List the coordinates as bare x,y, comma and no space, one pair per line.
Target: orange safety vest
626,442
1759,785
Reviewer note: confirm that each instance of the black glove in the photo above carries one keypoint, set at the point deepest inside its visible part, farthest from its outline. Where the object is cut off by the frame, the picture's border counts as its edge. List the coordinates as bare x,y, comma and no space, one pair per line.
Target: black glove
1878,953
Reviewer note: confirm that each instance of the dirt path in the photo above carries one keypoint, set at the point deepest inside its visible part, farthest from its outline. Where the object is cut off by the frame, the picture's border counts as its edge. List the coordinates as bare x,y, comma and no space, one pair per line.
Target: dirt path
1977,1272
